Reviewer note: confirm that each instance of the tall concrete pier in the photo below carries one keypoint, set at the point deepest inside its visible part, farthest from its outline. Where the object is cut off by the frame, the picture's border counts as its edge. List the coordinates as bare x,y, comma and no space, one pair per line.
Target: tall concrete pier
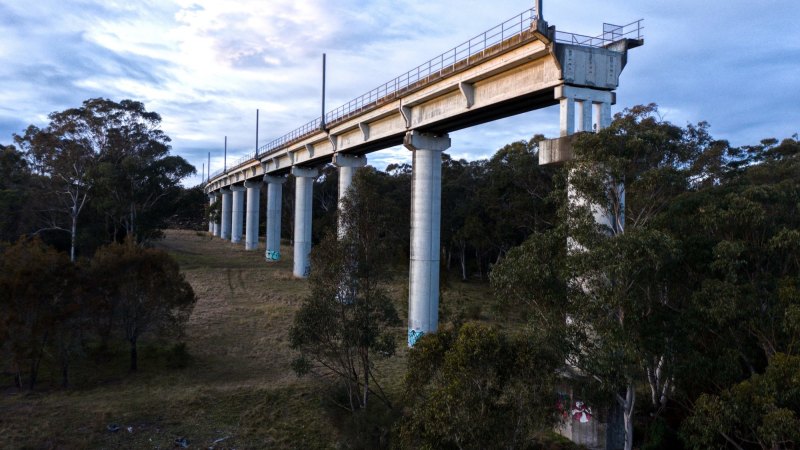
251,227
426,220
274,198
347,166
582,110
304,194
226,213
237,213
212,198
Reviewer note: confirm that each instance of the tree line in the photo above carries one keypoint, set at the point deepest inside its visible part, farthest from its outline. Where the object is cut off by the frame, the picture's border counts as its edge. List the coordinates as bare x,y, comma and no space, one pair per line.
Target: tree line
94,175
53,310
679,309
80,199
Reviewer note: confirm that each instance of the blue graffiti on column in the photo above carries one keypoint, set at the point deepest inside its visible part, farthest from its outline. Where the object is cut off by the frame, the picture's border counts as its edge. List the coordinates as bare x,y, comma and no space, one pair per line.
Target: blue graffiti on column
273,255
413,336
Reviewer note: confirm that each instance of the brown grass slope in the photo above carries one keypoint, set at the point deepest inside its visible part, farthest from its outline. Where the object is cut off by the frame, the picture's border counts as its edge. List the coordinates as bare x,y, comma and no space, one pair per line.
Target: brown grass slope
238,390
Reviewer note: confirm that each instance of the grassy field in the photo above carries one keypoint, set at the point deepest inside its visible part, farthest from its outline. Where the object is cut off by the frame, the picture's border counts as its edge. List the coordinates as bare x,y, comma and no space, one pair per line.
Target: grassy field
238,390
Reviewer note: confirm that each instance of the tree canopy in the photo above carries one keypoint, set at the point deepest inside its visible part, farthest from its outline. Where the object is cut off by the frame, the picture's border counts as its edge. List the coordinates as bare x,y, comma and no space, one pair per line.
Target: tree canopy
110,157
691,270
346,321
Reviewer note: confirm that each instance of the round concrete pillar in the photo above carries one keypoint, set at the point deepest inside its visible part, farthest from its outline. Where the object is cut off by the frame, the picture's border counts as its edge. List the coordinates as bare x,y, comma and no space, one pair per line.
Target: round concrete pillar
347,166
212,198
237,214
304,192
426,210
251,226
226,213
274,198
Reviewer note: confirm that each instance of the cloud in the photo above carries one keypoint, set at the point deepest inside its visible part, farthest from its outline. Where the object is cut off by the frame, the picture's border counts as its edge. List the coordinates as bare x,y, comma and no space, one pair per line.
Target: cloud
207,65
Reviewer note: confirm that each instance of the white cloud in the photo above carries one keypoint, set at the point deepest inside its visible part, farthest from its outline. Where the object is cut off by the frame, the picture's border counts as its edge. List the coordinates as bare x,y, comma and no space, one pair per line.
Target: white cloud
206,65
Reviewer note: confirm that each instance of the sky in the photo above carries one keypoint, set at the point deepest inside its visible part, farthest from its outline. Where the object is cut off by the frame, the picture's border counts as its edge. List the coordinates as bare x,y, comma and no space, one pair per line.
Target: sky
206,65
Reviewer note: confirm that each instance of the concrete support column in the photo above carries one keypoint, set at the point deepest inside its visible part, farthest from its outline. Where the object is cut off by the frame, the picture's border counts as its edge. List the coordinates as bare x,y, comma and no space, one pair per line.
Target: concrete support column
226,213
583,110
274,198
304,191
237,214
567,116
347,166
212,198
251,227
426,209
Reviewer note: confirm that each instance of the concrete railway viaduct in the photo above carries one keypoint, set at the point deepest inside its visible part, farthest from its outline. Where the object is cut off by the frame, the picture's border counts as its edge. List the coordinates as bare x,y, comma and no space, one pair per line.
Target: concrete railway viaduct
518,66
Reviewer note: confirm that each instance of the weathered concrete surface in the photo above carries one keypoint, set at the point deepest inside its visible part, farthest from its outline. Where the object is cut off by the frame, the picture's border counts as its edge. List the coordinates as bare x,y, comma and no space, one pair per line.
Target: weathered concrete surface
347,166
213,225
251,226
274,197
304,192
426,210
226,213
237,213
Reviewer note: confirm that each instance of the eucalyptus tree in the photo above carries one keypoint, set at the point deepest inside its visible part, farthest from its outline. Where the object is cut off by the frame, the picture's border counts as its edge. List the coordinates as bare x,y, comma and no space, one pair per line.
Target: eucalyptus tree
143,290
477,387
612,301
110,154
745,261
135,173
63,155
348,318
36,284
16,217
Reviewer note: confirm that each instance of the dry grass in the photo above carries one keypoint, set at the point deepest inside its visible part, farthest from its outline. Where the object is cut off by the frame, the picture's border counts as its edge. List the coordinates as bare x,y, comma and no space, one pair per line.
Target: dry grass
238,386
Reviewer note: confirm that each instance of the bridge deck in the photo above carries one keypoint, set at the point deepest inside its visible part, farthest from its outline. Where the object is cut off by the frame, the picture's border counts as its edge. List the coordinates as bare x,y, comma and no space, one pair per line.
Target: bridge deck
510,69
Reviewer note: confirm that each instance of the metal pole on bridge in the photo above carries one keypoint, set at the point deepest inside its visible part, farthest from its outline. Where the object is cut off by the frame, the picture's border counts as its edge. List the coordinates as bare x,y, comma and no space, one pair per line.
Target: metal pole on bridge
208,175
322,121
256,132
225,156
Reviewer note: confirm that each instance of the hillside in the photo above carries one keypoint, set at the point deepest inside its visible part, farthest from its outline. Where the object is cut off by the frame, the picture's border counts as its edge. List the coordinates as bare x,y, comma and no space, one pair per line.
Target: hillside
237,391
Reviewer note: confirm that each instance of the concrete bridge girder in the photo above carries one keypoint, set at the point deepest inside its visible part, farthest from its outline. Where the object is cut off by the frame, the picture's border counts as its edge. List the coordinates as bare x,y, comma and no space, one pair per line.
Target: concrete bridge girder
527,72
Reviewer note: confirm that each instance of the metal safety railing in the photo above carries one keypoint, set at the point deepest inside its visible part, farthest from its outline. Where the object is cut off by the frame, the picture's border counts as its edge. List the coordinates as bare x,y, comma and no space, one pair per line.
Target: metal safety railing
611,34
444,63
